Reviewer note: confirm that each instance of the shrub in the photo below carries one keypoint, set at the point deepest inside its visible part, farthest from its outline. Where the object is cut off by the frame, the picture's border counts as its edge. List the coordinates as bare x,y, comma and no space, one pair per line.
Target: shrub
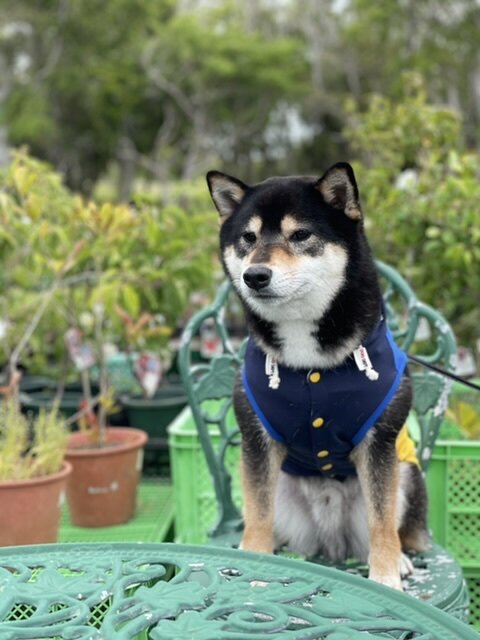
420,190
23,456
144,257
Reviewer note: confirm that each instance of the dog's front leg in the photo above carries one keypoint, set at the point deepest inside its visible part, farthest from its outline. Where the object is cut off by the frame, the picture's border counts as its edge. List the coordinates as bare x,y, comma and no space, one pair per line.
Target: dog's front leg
378,473
260,464
259,482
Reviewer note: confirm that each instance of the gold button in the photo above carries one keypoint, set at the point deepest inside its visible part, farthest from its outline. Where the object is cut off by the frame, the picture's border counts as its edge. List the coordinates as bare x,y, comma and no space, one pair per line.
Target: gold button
318,422
322,454
327,467
314,377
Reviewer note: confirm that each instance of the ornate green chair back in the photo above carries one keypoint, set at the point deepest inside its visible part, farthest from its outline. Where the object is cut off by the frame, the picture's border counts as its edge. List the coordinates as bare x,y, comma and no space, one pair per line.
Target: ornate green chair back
417,328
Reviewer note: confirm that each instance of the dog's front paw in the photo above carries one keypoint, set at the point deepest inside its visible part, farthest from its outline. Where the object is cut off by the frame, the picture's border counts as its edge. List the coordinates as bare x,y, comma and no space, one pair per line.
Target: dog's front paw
390,580
406,566
257,543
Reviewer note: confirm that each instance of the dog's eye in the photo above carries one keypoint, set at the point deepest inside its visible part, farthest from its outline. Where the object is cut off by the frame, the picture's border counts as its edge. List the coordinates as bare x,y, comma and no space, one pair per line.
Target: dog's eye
300,235
249,237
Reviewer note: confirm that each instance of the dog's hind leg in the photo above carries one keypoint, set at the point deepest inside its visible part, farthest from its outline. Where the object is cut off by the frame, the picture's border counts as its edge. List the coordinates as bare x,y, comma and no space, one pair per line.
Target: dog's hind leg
379,478
379,474
413,528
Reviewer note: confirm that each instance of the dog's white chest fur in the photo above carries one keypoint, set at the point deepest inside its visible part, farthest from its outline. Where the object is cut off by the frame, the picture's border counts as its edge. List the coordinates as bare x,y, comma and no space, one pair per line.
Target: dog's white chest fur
301,349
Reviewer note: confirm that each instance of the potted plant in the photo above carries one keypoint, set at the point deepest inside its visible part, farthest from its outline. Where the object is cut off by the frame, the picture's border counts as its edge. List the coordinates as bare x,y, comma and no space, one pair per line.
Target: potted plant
38,232
33,475
43,223
102,488
150,398
162,261
33,471
107,461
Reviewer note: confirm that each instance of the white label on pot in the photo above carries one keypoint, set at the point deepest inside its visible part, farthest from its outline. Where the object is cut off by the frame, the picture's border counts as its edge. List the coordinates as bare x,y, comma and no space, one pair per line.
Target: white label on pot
150,383
112,487
61,499
148,370
140,460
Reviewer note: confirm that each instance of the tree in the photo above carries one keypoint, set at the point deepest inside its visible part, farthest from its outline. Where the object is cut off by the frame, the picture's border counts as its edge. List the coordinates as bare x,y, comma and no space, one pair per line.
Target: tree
436,38
223,86
153,88
164,88
81,87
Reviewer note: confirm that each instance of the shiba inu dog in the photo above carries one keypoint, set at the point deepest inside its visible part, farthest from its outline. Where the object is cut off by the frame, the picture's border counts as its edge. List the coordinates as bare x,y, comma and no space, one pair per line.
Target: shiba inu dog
327,465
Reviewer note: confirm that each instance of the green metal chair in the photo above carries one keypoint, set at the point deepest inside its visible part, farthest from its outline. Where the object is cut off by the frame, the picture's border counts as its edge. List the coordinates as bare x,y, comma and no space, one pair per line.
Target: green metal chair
418,329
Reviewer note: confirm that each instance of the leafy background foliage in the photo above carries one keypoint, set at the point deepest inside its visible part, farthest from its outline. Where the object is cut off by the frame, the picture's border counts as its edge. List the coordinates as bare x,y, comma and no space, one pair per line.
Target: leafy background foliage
138,111
421,193
140,258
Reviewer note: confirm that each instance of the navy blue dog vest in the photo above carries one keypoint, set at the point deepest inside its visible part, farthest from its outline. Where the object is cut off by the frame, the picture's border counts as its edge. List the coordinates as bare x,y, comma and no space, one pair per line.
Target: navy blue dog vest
321,415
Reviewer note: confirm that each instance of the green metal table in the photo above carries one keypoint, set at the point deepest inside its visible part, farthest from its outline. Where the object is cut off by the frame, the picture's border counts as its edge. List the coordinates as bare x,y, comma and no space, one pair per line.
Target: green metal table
178,592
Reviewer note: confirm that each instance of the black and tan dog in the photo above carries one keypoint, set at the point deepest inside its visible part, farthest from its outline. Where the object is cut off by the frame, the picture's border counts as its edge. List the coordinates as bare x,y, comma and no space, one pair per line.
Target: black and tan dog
327,465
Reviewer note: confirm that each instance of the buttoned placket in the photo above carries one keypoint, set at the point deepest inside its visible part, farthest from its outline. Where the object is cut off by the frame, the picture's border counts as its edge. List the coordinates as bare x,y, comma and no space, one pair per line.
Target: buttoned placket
314,378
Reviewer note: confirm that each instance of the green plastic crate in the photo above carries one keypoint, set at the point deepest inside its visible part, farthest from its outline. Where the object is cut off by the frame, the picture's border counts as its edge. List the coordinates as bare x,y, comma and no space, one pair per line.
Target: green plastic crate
195,503
473,582
453,482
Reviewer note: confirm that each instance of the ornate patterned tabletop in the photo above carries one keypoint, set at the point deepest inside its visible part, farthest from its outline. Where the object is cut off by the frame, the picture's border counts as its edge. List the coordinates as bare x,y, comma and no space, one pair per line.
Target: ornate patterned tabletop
175,592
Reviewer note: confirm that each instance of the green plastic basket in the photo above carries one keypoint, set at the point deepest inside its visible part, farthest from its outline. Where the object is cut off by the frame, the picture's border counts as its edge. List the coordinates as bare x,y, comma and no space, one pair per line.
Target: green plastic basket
195,504
473,582
453,482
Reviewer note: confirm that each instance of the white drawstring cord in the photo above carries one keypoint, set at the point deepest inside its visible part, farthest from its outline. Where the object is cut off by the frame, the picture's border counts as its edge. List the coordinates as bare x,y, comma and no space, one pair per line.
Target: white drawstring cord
361,356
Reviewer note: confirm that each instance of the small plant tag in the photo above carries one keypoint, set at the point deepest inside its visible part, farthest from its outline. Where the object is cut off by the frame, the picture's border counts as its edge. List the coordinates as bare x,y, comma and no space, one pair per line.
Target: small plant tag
363,362
81,353
148,370
210,341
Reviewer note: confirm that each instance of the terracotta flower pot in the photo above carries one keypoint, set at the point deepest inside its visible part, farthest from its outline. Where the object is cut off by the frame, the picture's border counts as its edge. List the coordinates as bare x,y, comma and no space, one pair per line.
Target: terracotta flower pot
102,488
30,509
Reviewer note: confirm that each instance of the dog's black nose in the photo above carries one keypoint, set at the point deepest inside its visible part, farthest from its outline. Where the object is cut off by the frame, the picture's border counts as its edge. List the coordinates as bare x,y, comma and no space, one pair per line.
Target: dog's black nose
257,277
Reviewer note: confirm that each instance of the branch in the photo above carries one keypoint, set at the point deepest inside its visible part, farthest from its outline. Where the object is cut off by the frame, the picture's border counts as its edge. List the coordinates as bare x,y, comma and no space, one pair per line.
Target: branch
174,92
69,262
89,405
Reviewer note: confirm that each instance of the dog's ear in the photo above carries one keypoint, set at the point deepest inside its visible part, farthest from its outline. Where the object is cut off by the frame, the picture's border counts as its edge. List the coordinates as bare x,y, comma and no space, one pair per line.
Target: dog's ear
227,192
339,189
